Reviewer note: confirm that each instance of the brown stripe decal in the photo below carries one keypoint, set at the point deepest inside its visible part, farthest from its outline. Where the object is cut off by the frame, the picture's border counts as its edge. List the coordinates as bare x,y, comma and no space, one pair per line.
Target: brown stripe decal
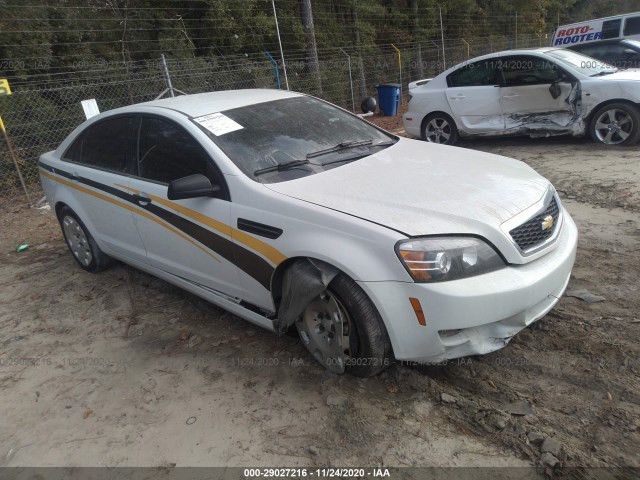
249,262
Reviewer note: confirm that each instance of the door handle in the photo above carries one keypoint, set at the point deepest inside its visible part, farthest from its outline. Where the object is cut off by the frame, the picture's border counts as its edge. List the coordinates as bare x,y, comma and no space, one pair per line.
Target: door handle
141,199
509,97
458,97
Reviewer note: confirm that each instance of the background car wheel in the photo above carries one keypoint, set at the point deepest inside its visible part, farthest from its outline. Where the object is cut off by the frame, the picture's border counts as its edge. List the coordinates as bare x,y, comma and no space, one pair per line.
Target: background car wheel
81,244
616,124
439,128
342,323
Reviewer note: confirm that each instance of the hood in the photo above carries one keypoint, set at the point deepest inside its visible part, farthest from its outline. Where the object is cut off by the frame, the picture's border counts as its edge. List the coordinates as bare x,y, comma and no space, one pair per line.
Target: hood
420,188
629,74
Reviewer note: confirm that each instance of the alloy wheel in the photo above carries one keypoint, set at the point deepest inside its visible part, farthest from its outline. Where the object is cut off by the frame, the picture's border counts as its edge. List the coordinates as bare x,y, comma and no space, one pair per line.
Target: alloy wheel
438,131
613,126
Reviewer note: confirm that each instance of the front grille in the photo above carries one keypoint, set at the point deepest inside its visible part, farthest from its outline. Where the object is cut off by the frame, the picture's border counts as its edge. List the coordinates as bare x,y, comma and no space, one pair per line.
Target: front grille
531,233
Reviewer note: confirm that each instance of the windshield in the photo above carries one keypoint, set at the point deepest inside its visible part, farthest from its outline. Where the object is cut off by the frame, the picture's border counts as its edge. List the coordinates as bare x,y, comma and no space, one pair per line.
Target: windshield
585,65
292,137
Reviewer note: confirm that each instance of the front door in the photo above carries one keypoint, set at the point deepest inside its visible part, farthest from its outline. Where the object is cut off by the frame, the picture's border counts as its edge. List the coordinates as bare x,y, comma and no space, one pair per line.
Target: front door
526,99
188,238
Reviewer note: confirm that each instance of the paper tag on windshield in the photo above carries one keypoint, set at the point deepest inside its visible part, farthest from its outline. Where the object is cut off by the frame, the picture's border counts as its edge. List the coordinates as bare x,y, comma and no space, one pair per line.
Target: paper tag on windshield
218,124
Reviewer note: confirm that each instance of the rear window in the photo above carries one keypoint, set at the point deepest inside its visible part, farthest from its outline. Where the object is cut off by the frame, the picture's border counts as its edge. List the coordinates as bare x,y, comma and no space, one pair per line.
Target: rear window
474,75
106,145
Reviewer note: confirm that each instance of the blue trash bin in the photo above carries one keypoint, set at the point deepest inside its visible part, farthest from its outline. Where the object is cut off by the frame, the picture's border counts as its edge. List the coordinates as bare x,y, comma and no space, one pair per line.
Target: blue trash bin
389,98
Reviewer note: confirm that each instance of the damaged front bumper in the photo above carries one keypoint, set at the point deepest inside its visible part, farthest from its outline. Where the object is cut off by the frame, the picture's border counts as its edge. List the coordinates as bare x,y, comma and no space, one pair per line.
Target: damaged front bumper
475,315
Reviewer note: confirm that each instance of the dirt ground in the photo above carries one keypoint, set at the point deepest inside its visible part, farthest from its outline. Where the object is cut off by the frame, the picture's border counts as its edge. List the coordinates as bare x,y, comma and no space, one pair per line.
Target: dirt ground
121,368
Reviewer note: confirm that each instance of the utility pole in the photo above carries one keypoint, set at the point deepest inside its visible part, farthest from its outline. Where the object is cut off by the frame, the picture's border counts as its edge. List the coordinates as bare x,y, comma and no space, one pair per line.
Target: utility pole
284,66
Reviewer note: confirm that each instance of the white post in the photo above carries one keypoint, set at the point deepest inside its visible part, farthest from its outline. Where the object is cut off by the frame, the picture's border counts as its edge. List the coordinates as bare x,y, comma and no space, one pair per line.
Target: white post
353,102
167,77
444,58
284,66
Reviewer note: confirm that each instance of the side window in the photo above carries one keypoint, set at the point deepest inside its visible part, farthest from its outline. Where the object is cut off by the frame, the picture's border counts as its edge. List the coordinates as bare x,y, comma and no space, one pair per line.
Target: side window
632,26
166,152
106,145
519,71
73,152
611,28
474,74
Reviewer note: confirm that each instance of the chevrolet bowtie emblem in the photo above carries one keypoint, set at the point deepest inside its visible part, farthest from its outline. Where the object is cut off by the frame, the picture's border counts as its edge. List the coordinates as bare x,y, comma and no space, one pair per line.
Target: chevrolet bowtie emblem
547,222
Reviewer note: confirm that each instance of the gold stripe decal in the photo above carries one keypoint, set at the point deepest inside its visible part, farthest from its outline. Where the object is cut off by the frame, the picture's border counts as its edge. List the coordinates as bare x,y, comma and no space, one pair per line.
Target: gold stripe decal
273,255
127,207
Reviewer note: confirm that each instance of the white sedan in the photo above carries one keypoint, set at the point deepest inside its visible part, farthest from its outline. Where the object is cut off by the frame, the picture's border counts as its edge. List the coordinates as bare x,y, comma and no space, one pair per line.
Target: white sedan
295,214
539,92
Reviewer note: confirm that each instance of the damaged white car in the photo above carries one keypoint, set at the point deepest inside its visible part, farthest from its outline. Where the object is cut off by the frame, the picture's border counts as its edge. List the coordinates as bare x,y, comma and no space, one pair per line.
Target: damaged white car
538,92
295,214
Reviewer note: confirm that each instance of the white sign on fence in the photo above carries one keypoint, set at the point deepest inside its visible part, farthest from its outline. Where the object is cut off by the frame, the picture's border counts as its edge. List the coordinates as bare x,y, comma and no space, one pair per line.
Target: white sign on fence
90,108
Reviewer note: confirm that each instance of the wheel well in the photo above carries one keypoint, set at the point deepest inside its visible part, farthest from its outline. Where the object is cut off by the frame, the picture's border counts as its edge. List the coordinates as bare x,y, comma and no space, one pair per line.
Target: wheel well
432,113
58,208
278,277
606,102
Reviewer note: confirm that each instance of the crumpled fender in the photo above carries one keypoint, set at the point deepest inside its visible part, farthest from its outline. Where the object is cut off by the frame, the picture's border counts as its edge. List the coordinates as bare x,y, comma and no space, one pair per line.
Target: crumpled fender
304,280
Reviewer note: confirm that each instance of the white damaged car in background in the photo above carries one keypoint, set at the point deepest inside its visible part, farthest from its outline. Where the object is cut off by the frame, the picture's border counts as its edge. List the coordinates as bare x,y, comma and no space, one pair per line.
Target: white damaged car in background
538,92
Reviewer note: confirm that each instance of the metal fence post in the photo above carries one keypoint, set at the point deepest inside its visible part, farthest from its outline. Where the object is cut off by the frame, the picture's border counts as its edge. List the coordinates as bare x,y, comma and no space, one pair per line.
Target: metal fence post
275,68
12,153
167,77
353,101
444,57
284,65
468,48
400,69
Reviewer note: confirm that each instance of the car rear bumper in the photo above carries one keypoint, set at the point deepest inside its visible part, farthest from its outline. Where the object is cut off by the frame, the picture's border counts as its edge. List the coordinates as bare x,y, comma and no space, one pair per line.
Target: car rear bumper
475,315
411,122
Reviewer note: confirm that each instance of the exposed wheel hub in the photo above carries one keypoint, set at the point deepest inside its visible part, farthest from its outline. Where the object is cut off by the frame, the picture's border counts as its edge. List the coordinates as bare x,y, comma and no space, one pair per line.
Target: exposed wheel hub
323,328
77,240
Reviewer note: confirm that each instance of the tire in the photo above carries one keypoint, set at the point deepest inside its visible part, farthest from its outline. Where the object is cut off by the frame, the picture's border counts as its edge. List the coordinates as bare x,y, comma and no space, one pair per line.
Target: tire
369,351
82,246
616,124
439,128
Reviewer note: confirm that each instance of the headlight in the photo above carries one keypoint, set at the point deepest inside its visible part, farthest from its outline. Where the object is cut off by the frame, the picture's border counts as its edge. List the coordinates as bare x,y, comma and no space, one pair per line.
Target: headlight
438,259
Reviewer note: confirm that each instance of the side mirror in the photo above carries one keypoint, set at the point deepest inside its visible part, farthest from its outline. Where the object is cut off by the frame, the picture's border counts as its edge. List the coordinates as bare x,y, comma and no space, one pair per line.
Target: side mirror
193,186
554,90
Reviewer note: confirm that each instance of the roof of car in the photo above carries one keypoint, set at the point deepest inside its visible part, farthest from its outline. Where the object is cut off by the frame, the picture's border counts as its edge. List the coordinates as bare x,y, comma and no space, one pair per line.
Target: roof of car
521,51
210,102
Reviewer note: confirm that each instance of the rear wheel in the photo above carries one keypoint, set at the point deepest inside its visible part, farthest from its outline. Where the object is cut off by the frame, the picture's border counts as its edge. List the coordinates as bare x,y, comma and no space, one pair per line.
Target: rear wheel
344,332
81,244
440,128
616,124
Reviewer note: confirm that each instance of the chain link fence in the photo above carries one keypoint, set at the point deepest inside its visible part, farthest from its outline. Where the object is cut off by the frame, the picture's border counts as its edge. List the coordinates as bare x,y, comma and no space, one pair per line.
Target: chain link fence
44,109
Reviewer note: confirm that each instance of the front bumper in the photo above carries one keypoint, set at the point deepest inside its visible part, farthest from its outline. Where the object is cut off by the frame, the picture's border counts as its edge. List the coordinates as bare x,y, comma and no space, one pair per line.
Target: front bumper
475,315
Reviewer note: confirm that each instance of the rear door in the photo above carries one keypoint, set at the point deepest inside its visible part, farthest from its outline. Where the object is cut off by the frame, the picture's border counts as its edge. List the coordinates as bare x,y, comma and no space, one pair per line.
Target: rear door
473,95
96,167
188,238
526,98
